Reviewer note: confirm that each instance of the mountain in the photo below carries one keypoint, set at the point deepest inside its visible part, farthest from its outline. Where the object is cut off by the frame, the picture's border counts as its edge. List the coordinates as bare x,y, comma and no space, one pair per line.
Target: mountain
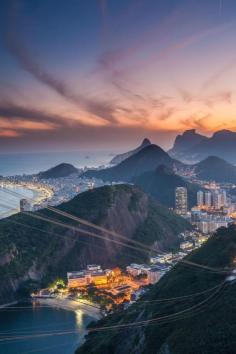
216,169
149,158
161,184
204,322
185,142
121,157
61,170
221,144
34,251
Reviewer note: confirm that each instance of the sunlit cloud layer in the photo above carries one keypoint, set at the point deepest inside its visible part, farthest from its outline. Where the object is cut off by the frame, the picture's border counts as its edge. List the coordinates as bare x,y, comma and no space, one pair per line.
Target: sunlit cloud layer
126,70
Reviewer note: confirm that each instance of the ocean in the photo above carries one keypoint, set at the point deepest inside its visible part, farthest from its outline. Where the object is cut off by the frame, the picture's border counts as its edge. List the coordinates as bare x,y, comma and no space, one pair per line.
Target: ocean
30,163
46,329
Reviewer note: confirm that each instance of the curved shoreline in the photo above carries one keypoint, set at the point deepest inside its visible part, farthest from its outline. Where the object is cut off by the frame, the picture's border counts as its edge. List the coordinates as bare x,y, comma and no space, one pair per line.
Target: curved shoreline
39,195
71,305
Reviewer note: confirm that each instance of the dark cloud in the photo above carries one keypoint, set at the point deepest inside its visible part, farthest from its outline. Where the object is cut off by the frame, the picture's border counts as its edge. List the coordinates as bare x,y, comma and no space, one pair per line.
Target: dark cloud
12,112
16,47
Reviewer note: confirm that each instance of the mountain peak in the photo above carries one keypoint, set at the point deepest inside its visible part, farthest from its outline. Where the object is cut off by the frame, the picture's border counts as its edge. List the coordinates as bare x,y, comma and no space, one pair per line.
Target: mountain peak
121,157
189,132
146,142
223,133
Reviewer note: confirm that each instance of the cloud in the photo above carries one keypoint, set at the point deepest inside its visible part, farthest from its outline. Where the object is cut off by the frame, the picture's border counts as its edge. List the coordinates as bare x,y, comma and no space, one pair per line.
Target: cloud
17,120
14,44
219,74
9,133
197,122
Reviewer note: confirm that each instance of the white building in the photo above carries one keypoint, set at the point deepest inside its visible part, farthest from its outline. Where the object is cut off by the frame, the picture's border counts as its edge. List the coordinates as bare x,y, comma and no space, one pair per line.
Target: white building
200,198
208,196
153,275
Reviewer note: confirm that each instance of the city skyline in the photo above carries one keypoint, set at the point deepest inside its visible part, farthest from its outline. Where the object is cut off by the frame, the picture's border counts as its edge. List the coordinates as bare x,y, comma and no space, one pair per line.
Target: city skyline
102,75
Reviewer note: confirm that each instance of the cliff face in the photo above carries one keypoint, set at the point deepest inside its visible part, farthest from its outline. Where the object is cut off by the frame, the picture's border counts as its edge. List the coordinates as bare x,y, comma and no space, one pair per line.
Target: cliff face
34,251
193,147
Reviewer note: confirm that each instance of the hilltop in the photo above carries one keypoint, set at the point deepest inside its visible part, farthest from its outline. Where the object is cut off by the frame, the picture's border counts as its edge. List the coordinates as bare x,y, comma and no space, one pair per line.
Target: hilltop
194,147
61,170
161,184
210,328
121,157
34,251
216,169
147,159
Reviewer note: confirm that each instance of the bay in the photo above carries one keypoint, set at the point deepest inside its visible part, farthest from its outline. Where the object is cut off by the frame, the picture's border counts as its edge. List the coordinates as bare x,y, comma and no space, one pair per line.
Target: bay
44,329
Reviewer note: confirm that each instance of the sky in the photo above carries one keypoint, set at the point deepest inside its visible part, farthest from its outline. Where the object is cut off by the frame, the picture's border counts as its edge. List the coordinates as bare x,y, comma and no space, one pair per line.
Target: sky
104,74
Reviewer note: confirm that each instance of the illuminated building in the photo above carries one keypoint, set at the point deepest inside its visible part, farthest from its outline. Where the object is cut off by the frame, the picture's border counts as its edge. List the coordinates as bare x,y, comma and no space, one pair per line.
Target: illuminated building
77,281
153,275
219,199
200,198
99,278
181,200
93,275
208,202
24,205
93,267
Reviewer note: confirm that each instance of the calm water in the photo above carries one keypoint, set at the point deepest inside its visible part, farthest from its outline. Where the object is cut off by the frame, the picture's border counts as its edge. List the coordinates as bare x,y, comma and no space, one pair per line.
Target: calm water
8,202
47,320
29,163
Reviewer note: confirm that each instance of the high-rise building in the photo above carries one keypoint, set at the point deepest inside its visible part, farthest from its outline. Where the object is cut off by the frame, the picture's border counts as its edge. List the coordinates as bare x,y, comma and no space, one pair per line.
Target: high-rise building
181,200
208,199
24,205
200,198
217,202
224,198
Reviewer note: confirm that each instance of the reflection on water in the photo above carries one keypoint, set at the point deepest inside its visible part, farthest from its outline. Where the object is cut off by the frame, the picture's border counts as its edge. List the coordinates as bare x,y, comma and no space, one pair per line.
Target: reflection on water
41,329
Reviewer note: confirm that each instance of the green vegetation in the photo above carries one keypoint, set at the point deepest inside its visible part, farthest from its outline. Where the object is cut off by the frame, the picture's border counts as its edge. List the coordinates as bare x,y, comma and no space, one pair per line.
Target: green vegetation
146,159
161,185
211,330
61,170
216,169
32,249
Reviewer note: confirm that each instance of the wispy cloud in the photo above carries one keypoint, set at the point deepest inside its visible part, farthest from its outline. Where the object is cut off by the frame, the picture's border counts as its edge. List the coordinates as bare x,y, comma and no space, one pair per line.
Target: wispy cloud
219,74
16,47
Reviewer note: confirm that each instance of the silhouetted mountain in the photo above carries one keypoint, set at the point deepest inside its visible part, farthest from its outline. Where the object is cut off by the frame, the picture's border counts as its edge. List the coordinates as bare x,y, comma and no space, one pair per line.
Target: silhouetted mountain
121,157
161,184
202,306
34,251
61,170
185,142
216,169
147,159
221,144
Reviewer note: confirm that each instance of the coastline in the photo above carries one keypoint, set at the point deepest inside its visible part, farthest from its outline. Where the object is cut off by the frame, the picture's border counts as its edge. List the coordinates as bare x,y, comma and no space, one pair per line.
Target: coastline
8,304
39,195
71,305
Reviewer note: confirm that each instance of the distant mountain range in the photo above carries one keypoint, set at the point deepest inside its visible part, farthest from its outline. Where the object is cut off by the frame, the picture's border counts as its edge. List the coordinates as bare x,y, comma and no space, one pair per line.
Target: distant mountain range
215,169
147,159
161,184
34,251
193,147
121,157
202,310
61,170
